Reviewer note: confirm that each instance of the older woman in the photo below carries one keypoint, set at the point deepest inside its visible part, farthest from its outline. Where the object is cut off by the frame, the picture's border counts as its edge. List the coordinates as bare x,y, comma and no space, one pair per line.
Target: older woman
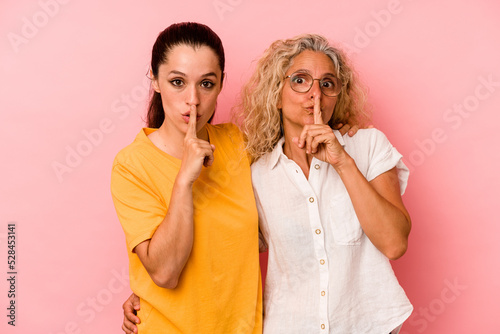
330,206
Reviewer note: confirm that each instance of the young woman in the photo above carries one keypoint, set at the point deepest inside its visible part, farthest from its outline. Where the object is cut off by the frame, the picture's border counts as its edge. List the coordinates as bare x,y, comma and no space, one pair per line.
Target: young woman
183,194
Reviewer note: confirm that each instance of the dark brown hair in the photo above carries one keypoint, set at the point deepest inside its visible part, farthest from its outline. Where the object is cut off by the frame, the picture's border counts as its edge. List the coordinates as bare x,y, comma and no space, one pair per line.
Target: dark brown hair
185,33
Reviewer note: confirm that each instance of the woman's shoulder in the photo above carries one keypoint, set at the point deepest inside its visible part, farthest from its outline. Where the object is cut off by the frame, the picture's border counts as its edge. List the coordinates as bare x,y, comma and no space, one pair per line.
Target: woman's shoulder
228,141
224,128
365,134
366,138
226,133
130,153
367,146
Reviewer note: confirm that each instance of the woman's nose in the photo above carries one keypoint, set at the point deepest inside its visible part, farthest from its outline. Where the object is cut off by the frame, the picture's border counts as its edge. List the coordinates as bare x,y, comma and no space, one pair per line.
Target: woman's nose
315,89
193,96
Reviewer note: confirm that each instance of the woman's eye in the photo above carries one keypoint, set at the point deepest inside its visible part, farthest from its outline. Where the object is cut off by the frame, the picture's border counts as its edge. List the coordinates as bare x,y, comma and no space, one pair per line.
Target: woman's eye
298,80
176,82
328,84
207,84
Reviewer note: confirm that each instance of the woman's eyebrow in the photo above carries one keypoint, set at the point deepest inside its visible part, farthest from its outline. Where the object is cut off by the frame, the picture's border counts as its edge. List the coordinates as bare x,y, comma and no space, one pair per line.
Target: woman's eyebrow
177,73
209,74
309,72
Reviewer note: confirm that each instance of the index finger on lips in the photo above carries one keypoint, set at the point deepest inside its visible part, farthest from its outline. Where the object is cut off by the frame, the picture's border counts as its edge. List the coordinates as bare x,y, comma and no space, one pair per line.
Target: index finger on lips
317,111
192,122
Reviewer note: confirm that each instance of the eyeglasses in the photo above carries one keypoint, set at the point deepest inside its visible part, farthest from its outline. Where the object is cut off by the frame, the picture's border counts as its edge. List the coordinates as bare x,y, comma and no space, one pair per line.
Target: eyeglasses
302,83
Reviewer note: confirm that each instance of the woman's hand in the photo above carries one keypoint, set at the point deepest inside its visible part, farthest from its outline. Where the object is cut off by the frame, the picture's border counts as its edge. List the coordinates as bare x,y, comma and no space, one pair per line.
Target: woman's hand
130,318
319,140
349,126
197,152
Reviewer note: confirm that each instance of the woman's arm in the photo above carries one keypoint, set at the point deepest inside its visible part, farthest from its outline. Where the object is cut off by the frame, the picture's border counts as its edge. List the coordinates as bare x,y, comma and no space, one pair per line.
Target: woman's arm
166,253
378,204
379,208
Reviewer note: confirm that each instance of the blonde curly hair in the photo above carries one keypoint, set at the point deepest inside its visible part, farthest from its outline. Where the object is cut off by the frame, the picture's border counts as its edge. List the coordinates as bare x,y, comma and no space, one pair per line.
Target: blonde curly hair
258,114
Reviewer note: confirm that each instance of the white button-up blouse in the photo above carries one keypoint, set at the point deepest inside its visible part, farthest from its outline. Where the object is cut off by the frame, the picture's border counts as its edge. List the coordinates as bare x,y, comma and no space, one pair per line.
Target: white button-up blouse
324,275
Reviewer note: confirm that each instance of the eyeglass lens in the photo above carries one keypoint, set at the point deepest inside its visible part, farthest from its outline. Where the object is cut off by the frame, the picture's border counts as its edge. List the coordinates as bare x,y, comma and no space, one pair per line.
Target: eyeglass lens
302,83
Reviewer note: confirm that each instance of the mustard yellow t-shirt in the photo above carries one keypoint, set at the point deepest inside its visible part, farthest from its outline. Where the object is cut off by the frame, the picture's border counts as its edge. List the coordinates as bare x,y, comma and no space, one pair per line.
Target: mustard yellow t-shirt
219,290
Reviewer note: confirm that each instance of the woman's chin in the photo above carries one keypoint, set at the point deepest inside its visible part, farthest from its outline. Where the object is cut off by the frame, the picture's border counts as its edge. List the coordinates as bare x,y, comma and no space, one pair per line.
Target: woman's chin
309,120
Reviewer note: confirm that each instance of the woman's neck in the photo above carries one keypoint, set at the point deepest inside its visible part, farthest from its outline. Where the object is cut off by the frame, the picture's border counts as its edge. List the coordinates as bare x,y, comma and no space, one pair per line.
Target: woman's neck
171,141
297,154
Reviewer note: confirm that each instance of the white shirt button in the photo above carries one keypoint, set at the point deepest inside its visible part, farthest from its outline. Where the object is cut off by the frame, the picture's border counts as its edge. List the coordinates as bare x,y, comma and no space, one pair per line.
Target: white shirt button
316,166
318,231
311,199
323,293
322,326
322,261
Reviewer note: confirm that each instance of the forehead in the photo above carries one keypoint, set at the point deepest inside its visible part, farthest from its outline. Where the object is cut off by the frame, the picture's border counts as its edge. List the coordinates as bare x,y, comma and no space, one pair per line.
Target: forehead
313,62
186,58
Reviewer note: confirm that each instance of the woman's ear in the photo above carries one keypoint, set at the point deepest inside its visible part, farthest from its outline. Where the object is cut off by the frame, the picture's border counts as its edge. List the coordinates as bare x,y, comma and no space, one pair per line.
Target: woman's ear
154,81
222,80
155,85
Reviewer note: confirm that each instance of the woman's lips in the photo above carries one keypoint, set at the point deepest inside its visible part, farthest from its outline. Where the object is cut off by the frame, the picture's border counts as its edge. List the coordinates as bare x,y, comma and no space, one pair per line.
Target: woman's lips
186,118
310,110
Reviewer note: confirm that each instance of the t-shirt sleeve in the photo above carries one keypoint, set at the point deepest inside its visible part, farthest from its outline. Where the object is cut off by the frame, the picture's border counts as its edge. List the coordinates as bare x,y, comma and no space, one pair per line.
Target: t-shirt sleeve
384,157
139,209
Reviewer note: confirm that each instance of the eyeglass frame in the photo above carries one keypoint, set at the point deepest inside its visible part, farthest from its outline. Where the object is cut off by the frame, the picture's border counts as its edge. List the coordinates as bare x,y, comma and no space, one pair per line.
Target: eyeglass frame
312,83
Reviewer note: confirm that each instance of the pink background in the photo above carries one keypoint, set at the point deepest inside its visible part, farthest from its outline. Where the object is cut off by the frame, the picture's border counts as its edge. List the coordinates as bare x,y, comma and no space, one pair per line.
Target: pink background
73,93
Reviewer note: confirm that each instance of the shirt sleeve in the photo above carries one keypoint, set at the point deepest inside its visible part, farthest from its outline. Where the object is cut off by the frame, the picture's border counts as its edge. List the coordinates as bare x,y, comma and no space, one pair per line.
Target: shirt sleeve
383,157
139,209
